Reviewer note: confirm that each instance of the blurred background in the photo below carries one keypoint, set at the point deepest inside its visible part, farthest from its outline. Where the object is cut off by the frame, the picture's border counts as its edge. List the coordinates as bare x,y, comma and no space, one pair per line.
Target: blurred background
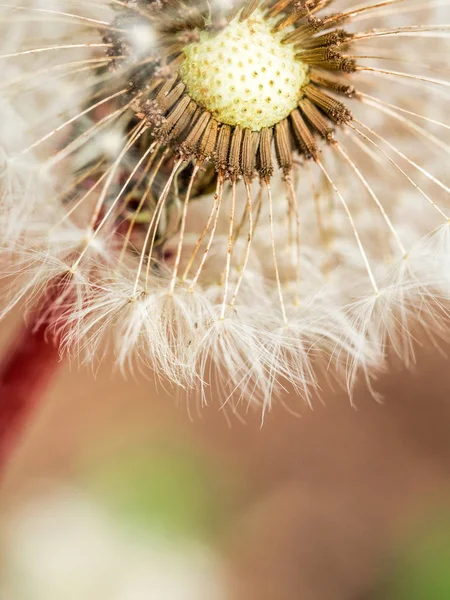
123,491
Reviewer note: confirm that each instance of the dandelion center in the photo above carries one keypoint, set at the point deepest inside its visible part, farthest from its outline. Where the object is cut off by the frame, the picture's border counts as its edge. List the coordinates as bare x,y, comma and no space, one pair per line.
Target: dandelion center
244,75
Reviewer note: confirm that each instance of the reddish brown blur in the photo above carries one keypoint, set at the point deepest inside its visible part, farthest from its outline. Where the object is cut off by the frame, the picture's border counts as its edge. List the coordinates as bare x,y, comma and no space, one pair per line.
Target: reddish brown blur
314,506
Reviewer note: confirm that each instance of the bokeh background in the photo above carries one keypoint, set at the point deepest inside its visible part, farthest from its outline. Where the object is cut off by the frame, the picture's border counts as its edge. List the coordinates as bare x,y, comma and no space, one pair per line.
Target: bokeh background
120,490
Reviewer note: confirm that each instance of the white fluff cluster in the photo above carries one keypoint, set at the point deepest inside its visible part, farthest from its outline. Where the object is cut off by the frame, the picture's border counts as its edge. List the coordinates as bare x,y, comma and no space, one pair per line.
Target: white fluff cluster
373,259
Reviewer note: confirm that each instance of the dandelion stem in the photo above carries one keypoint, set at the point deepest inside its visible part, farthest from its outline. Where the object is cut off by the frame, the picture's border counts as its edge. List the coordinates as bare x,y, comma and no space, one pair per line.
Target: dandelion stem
25,374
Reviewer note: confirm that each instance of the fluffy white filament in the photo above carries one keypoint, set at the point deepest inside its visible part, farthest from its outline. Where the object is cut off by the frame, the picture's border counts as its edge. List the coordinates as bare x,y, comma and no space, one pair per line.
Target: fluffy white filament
368,266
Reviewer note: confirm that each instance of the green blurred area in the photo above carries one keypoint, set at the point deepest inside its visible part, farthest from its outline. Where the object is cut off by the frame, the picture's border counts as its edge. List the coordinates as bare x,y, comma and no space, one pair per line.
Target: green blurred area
422,571
172,492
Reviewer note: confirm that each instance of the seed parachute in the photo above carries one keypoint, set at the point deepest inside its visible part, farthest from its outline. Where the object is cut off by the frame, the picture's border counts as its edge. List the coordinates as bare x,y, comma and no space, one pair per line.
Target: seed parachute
250,195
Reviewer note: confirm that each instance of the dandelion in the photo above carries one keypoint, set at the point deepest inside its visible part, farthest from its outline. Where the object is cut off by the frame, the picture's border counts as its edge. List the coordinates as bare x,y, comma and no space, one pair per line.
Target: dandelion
250,193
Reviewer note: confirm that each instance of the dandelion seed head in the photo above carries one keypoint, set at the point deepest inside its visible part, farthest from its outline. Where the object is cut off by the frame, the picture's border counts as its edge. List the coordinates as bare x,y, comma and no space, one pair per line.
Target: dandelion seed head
244,75
207,229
